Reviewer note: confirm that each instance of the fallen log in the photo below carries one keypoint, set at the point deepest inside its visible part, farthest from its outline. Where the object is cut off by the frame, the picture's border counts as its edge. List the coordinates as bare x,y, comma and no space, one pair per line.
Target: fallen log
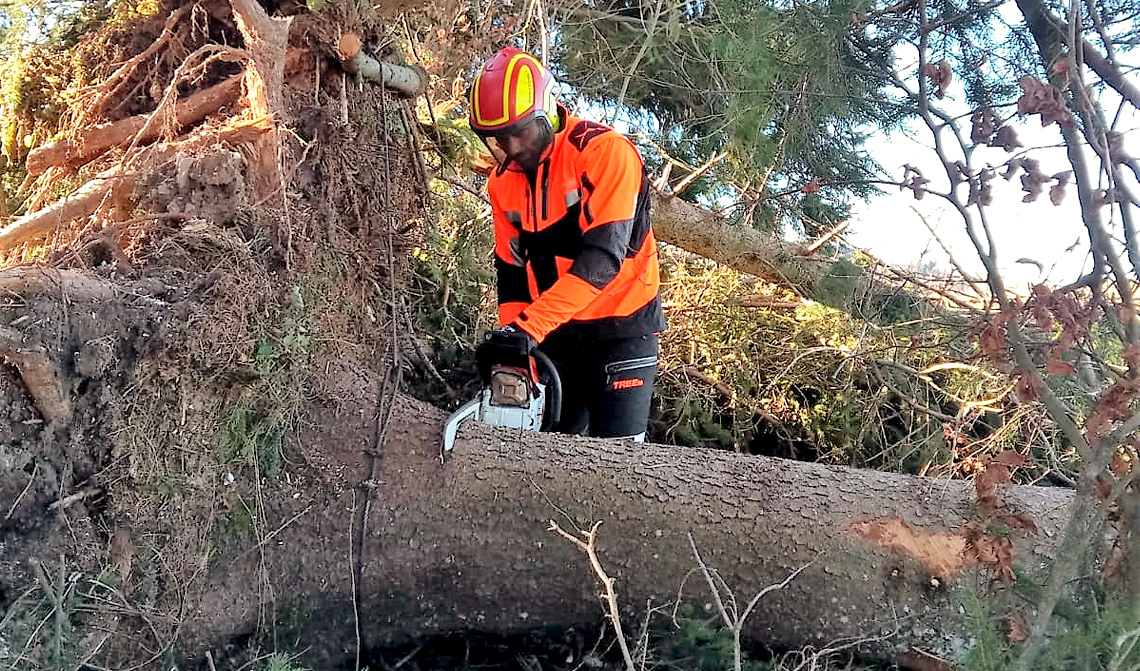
465,546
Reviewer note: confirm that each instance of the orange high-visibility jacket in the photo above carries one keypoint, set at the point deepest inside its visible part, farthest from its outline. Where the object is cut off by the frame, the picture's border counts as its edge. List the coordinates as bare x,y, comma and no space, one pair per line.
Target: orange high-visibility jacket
574,249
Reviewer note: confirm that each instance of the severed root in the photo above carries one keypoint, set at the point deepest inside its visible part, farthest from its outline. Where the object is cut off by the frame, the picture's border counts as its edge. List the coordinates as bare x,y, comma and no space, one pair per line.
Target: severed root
70,285
92,142
40,375
61,213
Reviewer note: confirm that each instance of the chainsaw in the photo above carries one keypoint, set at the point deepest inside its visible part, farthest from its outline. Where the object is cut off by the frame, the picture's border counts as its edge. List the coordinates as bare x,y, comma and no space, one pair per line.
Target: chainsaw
527,398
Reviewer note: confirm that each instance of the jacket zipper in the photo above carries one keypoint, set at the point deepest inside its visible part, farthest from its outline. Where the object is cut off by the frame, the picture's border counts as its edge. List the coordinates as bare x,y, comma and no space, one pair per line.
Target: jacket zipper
545,167
531,201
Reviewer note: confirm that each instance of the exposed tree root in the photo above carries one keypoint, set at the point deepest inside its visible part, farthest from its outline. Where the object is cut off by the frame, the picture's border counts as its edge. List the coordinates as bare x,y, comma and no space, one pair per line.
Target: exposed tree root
62,213
93,141
40,374
266,39
71,284
107,89
87,199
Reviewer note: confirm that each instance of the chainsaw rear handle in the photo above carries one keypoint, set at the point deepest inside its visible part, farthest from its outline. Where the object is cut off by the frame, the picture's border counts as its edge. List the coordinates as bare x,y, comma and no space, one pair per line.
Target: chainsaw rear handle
552,413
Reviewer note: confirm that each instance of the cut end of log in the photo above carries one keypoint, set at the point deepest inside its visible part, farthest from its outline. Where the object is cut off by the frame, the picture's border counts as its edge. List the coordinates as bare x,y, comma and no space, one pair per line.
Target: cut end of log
348,47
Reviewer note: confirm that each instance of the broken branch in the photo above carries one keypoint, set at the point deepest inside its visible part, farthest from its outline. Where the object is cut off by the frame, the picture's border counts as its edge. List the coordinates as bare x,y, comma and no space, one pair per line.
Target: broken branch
410,81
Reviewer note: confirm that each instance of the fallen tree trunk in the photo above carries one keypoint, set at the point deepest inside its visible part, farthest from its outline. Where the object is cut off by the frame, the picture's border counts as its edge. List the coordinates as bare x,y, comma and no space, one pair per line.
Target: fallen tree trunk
841,285
466,546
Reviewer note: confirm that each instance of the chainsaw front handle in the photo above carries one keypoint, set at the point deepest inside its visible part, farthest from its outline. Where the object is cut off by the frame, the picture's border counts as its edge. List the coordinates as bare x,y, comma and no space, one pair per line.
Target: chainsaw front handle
451,427
553,411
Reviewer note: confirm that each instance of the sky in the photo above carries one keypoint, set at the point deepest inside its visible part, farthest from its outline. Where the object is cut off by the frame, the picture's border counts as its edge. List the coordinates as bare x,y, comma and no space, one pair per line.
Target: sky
891,226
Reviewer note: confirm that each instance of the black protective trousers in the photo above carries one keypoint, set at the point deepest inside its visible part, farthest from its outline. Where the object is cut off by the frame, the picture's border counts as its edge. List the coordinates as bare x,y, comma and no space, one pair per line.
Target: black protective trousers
606,384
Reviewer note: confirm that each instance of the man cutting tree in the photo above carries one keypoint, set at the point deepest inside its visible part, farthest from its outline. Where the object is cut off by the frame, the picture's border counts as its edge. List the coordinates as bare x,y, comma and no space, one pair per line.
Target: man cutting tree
575,254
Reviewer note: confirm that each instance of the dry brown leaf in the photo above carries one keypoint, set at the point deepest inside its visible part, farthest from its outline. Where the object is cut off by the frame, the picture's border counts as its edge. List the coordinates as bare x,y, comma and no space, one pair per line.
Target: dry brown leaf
1028,387
1016,630
1007,139
1121,464
983,125
993,552
1044,99
1022,522
940,76
988,484
1055,365
914,180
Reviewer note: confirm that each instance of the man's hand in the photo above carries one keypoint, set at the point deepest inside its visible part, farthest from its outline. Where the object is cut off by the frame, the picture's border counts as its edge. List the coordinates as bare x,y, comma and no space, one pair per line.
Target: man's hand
508,346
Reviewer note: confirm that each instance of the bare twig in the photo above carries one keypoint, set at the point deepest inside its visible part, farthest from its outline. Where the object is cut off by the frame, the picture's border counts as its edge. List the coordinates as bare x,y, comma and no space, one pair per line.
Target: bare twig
735,620
35,470
74,498
695,174
587,545
827,237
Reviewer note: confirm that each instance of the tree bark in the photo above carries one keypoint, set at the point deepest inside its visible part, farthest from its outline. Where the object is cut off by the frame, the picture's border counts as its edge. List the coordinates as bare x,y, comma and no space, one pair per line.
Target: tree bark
465,545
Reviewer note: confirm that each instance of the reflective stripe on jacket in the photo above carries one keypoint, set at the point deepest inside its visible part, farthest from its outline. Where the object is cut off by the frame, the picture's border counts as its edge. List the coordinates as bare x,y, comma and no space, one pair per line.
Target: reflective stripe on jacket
574,249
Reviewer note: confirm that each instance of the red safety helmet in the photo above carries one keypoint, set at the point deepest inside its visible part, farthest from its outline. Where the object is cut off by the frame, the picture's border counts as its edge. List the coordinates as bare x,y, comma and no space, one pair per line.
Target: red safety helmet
511,87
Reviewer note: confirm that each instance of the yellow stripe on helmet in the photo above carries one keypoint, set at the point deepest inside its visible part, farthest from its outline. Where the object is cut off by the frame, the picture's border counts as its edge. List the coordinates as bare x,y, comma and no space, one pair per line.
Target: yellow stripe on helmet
524,97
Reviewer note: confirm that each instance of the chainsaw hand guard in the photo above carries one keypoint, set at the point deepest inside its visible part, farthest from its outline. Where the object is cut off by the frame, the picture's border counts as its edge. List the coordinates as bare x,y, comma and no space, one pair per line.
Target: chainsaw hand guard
508,347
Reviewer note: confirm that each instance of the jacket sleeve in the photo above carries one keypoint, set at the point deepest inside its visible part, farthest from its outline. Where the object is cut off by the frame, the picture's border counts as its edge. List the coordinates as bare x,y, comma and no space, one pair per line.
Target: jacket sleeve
611,175
510,267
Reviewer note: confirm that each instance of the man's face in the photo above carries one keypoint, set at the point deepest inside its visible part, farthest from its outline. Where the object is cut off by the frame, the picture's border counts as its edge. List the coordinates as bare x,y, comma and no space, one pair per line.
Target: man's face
524,144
